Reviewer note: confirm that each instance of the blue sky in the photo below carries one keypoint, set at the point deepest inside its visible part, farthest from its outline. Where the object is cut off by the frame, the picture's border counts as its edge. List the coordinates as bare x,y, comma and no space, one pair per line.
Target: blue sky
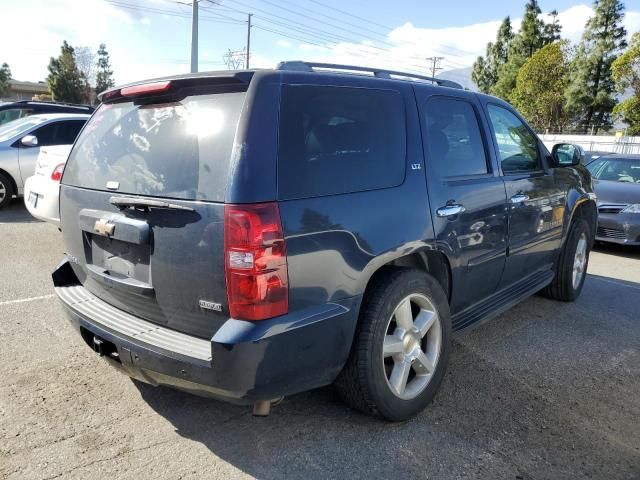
148,38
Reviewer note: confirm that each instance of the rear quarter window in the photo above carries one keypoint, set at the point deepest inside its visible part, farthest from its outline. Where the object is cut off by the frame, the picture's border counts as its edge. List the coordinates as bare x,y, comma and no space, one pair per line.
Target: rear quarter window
335,140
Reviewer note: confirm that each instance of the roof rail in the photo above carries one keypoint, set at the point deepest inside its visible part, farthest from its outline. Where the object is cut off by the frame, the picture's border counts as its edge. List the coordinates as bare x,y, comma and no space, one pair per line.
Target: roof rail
301,66
49,102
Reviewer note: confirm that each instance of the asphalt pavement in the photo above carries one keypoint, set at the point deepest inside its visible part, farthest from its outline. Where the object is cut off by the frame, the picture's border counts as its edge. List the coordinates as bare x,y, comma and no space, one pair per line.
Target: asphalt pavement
547,390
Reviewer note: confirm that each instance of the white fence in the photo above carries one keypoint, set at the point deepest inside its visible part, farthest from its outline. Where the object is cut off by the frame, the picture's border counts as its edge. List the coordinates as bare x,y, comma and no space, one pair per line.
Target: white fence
595,142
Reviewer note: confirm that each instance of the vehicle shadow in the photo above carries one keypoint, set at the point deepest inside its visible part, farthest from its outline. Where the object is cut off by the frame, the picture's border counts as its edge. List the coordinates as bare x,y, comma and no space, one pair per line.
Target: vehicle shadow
16,212
489,420
624,251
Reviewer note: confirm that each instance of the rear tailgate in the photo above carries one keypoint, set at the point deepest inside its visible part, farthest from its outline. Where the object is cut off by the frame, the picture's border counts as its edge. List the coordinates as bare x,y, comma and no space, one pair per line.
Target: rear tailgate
164,264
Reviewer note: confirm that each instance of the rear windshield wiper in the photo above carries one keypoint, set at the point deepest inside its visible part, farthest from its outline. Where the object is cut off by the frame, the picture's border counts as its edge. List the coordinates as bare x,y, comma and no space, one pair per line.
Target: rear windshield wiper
145,204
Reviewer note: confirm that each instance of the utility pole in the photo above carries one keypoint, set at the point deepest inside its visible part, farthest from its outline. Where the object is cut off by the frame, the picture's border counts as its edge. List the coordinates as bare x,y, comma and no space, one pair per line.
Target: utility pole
435,64
194,36
249,15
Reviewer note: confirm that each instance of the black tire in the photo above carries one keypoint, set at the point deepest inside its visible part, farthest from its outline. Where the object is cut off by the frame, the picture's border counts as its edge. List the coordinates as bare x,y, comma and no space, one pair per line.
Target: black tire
7,185
363,383
562,287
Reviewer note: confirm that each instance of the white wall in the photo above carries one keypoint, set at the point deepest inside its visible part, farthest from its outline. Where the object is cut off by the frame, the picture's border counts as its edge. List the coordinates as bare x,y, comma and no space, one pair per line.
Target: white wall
595,142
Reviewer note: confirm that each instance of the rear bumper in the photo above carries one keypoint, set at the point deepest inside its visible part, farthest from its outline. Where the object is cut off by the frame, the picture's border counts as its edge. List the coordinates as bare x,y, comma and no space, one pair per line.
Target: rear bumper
46,207
620,228
242,363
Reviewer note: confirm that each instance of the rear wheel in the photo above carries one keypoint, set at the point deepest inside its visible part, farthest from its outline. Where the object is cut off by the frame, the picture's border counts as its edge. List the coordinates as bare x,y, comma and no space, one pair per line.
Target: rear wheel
401,347
6,190
571,267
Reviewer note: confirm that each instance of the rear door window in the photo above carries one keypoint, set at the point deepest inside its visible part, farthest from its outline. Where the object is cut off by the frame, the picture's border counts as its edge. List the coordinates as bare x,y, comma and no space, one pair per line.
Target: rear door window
335,140
453,138
58,133
181,149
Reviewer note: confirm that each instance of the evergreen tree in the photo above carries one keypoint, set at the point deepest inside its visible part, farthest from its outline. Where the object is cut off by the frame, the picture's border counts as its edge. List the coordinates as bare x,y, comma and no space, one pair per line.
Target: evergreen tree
551,31
531,31
589,96
104,74
485,70
5,76
625,71
65,81
497,73
540,86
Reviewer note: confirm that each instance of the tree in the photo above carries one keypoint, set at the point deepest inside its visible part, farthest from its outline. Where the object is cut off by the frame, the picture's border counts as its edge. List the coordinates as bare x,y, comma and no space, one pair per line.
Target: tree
625,72
485,70
104,74
589,96
540,86
65,80
5,76
497,73
531,30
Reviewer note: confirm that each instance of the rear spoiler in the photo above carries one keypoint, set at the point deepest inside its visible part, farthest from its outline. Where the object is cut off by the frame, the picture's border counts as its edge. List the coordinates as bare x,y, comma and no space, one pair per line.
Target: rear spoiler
168,84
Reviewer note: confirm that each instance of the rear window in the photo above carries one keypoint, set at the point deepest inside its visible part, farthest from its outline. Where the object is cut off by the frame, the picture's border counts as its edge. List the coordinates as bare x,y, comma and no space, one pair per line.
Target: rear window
335,140
180,149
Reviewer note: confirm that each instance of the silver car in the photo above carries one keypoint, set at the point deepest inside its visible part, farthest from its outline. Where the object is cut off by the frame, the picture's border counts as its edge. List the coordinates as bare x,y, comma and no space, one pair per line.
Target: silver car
20,142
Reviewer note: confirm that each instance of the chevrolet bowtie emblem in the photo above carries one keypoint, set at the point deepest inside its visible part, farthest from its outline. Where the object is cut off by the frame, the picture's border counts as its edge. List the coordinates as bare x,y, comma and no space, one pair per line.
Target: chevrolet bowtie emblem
103,227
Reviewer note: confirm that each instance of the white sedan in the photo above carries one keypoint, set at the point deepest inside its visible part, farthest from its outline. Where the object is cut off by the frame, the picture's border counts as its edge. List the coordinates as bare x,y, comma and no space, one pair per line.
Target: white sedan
41,191
20,143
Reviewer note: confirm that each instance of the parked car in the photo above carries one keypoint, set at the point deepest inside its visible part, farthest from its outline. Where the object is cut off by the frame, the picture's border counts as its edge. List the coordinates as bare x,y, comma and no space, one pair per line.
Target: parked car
616,180
41,191
592,155
13,110
20,143
249,235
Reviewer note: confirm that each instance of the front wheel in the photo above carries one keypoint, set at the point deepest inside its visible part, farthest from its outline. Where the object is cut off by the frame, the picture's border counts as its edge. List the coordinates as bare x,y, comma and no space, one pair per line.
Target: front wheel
571,267
401,348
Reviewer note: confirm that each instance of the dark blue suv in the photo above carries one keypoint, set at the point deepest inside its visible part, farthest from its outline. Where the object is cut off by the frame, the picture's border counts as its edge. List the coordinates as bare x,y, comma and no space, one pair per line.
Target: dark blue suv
253,234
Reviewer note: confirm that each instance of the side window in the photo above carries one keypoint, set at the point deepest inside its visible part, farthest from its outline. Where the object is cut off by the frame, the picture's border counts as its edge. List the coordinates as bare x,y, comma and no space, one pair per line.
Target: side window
517,146
46,134
335,140
58,133
453,139
68,131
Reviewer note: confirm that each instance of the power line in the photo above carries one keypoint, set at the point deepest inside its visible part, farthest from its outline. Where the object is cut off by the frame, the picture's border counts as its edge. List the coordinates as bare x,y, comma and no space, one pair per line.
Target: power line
315,32
171,13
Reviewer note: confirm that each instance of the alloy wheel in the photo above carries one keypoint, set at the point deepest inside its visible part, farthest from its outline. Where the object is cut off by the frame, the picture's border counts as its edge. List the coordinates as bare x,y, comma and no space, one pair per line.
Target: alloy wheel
579,261
411,346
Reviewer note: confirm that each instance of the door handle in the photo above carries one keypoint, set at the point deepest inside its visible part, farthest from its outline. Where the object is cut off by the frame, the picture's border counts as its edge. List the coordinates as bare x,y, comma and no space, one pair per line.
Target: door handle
519,198
450,210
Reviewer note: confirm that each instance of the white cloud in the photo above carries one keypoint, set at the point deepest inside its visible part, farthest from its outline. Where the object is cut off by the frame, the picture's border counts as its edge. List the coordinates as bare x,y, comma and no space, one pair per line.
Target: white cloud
408,45
283,43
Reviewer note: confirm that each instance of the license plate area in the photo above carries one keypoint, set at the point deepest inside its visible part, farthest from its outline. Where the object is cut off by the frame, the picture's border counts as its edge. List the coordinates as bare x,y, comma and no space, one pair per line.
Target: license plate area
33,199
118,259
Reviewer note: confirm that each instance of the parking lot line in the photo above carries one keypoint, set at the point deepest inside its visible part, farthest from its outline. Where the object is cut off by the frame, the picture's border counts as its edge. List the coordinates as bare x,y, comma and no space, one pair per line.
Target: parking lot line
30,299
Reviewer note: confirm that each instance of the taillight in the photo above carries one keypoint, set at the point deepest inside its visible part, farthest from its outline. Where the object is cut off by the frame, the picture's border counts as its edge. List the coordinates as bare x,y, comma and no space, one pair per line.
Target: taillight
56,175
255,261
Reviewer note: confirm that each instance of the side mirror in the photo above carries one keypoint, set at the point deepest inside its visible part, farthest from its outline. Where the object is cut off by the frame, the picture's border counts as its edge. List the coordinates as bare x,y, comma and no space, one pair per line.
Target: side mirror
29,141
567,154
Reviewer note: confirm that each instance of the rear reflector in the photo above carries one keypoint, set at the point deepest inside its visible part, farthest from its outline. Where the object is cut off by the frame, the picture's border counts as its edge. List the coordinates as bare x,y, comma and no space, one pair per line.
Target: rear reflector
56,175
255,261
145,89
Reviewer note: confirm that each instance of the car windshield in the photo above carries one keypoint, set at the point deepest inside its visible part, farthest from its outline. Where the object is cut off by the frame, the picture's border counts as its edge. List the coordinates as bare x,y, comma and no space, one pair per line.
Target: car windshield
616,170
15,127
